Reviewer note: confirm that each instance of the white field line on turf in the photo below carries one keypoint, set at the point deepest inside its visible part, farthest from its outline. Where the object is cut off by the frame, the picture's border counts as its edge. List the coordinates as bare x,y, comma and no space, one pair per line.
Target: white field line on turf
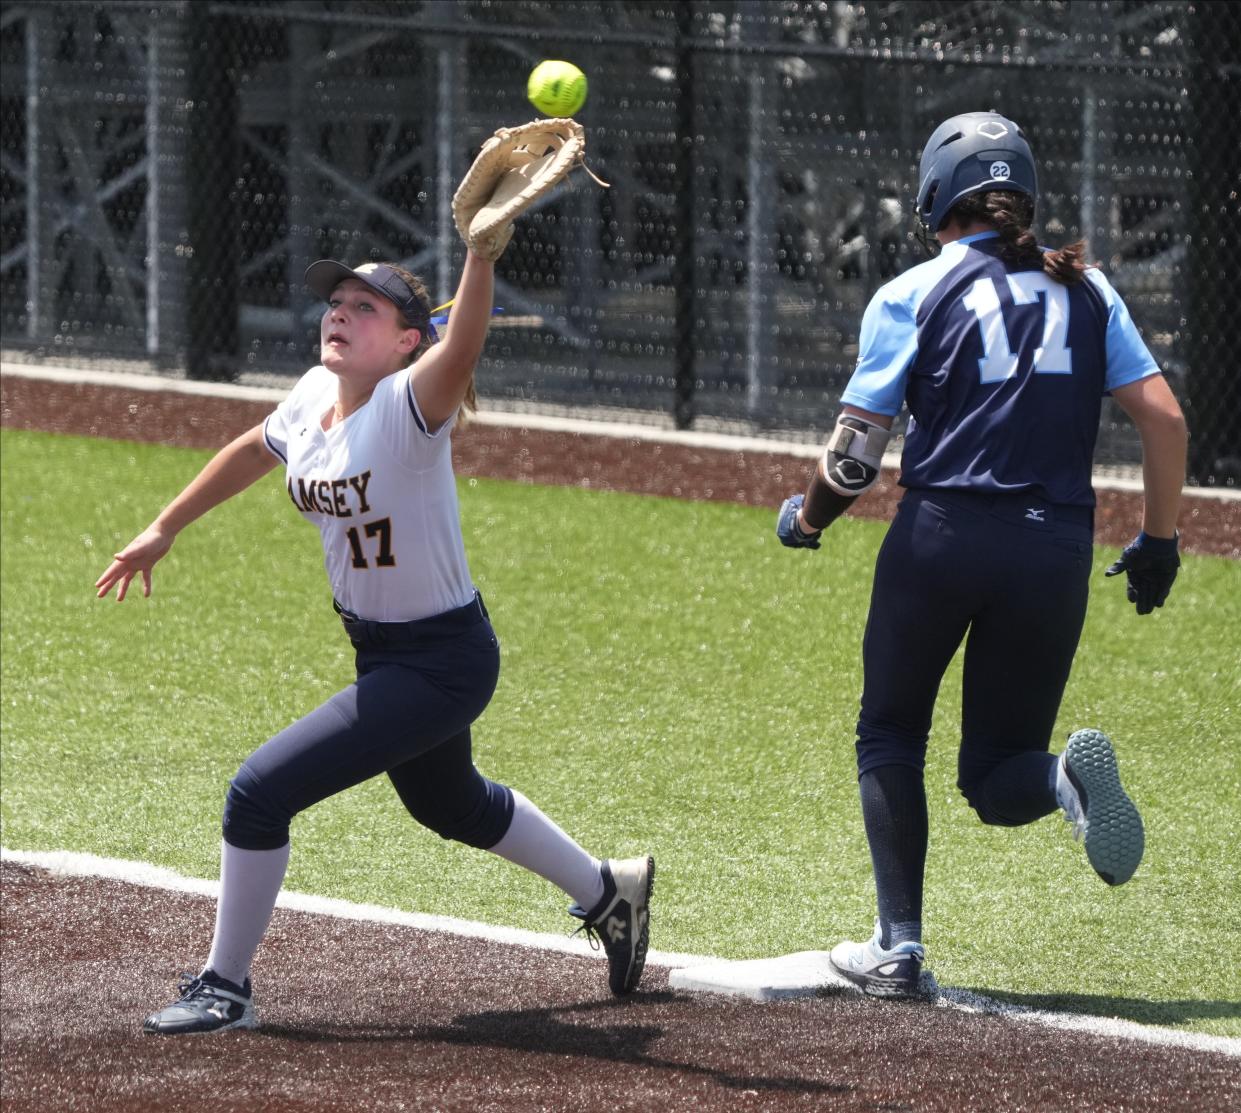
66,863
634,431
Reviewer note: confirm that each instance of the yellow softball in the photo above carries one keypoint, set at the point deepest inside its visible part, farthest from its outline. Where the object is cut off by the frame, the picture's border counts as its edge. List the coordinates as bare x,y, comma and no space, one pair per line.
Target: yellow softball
556,88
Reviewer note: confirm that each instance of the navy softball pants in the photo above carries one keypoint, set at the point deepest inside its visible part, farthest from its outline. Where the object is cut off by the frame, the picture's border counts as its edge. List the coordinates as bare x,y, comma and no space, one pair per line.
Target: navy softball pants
1007,574
419,687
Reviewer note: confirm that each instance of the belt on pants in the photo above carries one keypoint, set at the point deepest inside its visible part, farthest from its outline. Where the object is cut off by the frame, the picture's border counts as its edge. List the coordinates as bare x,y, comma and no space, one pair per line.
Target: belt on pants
417,632
1024,508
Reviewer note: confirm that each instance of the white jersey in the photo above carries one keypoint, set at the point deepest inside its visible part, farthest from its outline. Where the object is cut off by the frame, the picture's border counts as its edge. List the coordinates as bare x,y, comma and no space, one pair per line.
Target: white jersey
382,492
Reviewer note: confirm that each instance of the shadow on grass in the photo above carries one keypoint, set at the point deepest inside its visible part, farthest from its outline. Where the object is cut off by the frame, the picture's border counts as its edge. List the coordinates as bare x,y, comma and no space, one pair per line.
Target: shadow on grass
543,1031
1138,1009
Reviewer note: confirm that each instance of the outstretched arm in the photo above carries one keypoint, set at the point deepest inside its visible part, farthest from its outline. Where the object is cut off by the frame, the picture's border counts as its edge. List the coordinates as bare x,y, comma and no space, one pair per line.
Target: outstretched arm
442,376
229,472
513,170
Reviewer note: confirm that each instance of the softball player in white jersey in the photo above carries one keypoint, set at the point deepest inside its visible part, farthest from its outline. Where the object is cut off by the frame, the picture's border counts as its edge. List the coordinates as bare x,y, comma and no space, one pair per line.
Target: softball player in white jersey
365,441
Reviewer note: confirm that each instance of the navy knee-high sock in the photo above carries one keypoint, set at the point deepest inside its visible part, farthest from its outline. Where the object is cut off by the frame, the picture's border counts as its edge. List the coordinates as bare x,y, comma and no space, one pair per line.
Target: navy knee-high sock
894,812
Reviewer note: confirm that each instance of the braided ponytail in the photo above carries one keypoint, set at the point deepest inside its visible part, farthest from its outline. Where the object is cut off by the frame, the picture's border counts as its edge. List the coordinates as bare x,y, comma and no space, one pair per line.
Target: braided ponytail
1011,213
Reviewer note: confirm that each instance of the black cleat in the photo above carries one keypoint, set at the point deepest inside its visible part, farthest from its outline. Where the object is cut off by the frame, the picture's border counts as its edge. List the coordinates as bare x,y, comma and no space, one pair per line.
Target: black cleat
622,919
208,1003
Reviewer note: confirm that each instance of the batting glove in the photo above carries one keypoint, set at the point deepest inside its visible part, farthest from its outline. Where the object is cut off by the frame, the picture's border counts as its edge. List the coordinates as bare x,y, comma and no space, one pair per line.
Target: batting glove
1151,564
789,530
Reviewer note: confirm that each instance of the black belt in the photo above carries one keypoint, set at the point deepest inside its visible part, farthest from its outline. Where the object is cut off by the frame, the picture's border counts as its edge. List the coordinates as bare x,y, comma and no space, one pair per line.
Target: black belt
1022,507
419,631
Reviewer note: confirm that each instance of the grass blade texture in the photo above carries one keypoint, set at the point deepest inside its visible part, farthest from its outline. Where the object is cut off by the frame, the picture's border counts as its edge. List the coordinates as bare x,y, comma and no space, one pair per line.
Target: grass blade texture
673,681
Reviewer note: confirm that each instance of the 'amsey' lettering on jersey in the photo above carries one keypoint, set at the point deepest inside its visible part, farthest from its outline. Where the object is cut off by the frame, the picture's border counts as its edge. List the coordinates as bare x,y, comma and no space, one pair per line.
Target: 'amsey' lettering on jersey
380,491
337,497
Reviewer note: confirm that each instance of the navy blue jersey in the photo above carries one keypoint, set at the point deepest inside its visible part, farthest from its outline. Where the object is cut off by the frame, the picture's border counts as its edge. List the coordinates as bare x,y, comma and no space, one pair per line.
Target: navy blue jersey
1003,370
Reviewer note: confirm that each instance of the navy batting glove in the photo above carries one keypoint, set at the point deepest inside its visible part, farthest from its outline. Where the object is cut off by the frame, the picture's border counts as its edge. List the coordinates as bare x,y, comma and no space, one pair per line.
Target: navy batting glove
1151,564
789,530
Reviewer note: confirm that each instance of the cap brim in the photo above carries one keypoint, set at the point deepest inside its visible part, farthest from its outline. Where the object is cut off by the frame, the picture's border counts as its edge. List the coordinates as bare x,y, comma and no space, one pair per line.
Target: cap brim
325,275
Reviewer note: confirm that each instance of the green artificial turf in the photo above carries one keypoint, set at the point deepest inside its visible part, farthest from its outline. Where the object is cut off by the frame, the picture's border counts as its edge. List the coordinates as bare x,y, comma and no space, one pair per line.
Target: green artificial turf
673,681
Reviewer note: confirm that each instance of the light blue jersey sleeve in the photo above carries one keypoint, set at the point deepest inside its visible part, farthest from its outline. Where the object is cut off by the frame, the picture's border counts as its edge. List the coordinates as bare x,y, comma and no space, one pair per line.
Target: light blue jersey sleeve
886,347
1128,358
889,338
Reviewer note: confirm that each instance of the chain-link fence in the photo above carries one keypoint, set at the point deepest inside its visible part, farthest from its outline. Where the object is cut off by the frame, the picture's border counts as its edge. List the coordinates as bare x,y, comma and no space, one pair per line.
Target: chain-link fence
170,169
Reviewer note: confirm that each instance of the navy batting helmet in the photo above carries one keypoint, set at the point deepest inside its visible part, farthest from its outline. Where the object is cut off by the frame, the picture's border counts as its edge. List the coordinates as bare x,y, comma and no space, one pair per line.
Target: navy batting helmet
972,153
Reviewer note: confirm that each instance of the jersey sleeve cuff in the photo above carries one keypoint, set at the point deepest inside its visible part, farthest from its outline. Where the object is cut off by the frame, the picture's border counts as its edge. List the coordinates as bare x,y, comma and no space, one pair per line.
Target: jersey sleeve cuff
1132,376
271,445
865,402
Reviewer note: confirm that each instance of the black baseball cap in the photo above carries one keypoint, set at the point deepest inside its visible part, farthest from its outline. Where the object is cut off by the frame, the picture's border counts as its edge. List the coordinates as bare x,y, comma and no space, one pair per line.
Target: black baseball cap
325,275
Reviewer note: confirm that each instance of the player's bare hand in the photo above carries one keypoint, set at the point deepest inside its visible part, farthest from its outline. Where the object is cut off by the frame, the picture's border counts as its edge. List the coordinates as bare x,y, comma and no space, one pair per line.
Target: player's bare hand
138,557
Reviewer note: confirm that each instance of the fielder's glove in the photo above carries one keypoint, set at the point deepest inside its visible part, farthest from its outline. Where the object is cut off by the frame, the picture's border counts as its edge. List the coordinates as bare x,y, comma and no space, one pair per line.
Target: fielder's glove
789,530
514,169
1151,564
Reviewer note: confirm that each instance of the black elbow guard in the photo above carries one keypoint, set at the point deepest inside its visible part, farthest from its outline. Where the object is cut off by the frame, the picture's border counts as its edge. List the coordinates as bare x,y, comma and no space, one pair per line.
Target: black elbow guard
849,467
854,455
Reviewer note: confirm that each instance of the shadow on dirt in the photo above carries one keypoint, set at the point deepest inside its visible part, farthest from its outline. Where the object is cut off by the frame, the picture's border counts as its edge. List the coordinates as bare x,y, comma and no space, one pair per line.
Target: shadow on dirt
569,1030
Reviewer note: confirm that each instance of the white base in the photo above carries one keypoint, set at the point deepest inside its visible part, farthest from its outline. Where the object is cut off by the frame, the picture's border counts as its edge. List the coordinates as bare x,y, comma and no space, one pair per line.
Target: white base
804,974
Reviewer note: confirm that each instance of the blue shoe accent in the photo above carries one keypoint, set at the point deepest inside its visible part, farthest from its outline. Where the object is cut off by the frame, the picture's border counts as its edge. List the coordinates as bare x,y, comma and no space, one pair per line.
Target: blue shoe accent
892,972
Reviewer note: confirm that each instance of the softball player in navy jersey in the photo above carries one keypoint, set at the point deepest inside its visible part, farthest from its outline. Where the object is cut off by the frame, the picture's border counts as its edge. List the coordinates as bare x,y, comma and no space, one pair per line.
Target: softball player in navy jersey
364,440
1002,351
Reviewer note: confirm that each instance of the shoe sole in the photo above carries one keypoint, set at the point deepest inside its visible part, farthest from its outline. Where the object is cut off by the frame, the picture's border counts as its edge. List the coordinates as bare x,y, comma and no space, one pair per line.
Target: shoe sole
246,1023
249,1019
1114,837
873,987
643,912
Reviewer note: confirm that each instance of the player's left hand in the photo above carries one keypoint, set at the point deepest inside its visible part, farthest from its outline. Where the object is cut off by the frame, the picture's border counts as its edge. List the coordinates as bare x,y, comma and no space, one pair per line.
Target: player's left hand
138,557
515,168
1150,564
788,528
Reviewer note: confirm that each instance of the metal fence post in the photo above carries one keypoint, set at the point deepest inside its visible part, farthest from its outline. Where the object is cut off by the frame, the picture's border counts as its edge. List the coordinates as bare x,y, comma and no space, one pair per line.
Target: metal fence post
40,143
685,270
761,309
300,182
167,158
1213,256
213,273
450,55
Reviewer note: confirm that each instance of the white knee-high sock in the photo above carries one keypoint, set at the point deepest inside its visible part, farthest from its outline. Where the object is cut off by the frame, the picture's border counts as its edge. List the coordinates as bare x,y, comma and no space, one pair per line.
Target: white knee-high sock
250,881
535,842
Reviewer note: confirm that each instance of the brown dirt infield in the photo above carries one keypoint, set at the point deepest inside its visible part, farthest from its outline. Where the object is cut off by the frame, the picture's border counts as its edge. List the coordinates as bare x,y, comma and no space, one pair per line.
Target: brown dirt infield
362,1016
392,1018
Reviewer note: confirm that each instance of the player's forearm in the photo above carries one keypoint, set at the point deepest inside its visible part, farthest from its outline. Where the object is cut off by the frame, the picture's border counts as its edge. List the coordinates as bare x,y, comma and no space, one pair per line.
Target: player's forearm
1161,426
234,468
442,376
471,313
1164,445
822,505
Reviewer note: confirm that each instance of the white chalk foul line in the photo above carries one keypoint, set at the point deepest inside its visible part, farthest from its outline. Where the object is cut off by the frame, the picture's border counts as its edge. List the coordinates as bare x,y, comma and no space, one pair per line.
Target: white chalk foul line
967,1001
66,863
